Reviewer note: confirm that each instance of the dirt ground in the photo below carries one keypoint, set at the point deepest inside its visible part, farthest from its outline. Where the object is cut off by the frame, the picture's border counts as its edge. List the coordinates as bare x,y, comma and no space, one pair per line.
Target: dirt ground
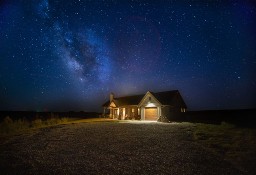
111,148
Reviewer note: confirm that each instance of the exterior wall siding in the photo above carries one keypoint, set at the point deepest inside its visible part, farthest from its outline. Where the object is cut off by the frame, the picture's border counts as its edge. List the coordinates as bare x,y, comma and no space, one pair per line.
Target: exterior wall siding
166,111
172,113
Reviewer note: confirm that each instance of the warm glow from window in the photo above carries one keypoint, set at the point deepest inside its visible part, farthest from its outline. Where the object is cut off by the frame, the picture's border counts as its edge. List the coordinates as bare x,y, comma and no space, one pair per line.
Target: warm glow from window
132,109
123,111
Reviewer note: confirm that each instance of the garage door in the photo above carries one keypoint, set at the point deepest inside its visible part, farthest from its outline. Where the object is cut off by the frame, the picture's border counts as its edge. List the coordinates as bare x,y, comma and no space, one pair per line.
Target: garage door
151,114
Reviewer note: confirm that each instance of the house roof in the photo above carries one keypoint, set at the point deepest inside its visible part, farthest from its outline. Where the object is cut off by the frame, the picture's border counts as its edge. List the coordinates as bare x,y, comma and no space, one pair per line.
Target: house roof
169,97
127,100
165,98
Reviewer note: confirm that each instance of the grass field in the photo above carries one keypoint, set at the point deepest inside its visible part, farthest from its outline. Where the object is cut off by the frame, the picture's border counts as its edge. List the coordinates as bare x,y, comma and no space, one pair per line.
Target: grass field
237,145
10,127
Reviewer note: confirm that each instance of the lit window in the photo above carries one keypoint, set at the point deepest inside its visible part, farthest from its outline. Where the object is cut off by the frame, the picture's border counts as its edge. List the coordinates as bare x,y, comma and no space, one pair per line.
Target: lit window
123,111
132,109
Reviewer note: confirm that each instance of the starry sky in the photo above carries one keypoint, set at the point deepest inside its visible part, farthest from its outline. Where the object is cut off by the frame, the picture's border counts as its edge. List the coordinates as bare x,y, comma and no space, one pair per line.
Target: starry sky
57,56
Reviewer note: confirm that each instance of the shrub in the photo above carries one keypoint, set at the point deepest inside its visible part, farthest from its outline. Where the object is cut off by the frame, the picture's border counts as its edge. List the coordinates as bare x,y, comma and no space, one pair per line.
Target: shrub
21,124
64,119
37,123
7,125
227,125
8,120
10,126
163,119
54,121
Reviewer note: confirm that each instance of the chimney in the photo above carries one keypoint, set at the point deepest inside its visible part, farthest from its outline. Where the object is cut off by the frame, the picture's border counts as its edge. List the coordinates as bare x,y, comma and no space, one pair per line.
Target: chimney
111,97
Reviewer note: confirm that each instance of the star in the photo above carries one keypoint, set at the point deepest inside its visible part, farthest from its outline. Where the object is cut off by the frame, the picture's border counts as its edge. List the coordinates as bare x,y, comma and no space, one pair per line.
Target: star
84,49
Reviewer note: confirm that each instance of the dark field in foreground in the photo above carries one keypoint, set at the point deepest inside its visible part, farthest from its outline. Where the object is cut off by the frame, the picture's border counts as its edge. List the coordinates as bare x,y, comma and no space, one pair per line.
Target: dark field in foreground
114,148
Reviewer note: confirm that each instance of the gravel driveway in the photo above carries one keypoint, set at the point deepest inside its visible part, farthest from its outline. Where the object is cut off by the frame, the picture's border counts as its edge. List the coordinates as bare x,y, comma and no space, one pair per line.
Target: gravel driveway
110,148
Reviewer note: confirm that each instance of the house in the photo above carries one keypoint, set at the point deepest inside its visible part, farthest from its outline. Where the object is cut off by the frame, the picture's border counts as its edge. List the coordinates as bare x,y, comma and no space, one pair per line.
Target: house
149,106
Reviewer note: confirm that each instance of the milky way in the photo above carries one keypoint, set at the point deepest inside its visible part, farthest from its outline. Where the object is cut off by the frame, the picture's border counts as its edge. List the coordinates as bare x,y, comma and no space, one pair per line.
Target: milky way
83,53
70,56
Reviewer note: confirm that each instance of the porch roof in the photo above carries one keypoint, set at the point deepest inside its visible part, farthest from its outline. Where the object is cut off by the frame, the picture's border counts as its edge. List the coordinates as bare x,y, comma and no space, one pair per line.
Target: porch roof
123,101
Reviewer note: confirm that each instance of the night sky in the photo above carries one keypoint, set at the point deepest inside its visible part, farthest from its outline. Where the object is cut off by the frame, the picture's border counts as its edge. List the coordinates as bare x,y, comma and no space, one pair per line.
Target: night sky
69,55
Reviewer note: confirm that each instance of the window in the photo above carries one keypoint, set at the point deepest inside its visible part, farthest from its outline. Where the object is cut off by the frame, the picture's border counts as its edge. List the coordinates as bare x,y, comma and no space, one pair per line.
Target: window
123,111
182,110
132,109
149,98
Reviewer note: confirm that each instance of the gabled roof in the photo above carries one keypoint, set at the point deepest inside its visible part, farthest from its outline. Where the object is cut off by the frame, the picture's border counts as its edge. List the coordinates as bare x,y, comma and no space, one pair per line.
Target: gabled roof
147,95
165,98
169,97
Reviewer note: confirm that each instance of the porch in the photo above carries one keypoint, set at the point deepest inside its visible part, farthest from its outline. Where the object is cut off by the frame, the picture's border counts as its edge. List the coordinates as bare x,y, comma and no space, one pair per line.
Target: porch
123,113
